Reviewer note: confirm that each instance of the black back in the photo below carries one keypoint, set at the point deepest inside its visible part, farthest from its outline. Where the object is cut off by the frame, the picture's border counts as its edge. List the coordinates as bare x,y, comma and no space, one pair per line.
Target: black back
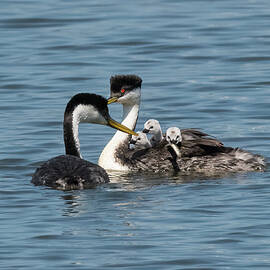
68,172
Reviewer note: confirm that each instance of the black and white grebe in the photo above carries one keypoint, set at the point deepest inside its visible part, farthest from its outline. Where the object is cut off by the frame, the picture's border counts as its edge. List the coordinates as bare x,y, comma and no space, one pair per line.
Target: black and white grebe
200,153
70,171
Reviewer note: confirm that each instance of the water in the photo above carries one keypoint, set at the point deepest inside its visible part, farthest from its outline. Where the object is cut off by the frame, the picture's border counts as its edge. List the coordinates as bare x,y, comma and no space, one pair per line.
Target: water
204,64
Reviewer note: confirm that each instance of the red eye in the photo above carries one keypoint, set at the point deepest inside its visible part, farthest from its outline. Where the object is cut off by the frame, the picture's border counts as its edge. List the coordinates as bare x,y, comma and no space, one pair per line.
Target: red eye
123,90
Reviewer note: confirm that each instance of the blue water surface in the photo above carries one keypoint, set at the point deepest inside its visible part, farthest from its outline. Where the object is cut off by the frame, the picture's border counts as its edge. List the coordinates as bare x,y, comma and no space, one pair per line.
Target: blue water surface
204,64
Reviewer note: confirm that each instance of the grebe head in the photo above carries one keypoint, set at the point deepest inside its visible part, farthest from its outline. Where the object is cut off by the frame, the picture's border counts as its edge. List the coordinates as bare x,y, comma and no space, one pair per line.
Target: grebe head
92,108
173,135
140,141
125,89
152,126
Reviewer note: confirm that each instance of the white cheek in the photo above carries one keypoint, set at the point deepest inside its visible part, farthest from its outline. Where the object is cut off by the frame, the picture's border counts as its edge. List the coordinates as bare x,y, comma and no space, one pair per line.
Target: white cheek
88,114
132,97
123,100
95,117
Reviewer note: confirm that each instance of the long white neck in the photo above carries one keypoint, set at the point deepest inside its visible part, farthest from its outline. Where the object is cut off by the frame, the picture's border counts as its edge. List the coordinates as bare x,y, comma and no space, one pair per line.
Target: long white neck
107,159
75,128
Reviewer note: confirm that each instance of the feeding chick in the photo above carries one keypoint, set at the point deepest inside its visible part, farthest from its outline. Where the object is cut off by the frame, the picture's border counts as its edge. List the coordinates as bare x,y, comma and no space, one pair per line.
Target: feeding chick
141,141
152,126
174,138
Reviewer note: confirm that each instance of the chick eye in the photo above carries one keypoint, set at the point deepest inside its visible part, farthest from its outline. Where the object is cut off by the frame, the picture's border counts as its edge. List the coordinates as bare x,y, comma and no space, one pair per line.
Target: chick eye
169,137
177,137
139,139
151,127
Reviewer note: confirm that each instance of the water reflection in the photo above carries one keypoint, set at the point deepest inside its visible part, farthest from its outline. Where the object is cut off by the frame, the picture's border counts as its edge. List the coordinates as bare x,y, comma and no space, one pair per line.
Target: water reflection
134,181
72,205
126,191
79,202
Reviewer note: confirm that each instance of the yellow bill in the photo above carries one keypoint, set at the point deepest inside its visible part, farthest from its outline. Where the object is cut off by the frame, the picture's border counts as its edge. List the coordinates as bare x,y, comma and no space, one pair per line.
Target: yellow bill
112,123
112,100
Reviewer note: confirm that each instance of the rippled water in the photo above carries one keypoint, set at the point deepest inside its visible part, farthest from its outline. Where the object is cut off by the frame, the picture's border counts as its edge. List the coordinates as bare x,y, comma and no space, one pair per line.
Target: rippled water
204,64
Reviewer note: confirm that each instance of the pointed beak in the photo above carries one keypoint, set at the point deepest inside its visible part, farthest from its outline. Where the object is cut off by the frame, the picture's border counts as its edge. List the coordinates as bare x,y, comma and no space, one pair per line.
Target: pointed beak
145,130
114,124
112,100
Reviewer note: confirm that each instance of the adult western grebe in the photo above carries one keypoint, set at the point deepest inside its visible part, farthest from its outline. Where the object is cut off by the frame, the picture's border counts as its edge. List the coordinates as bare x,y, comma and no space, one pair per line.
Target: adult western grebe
70,171
199,155
126,89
